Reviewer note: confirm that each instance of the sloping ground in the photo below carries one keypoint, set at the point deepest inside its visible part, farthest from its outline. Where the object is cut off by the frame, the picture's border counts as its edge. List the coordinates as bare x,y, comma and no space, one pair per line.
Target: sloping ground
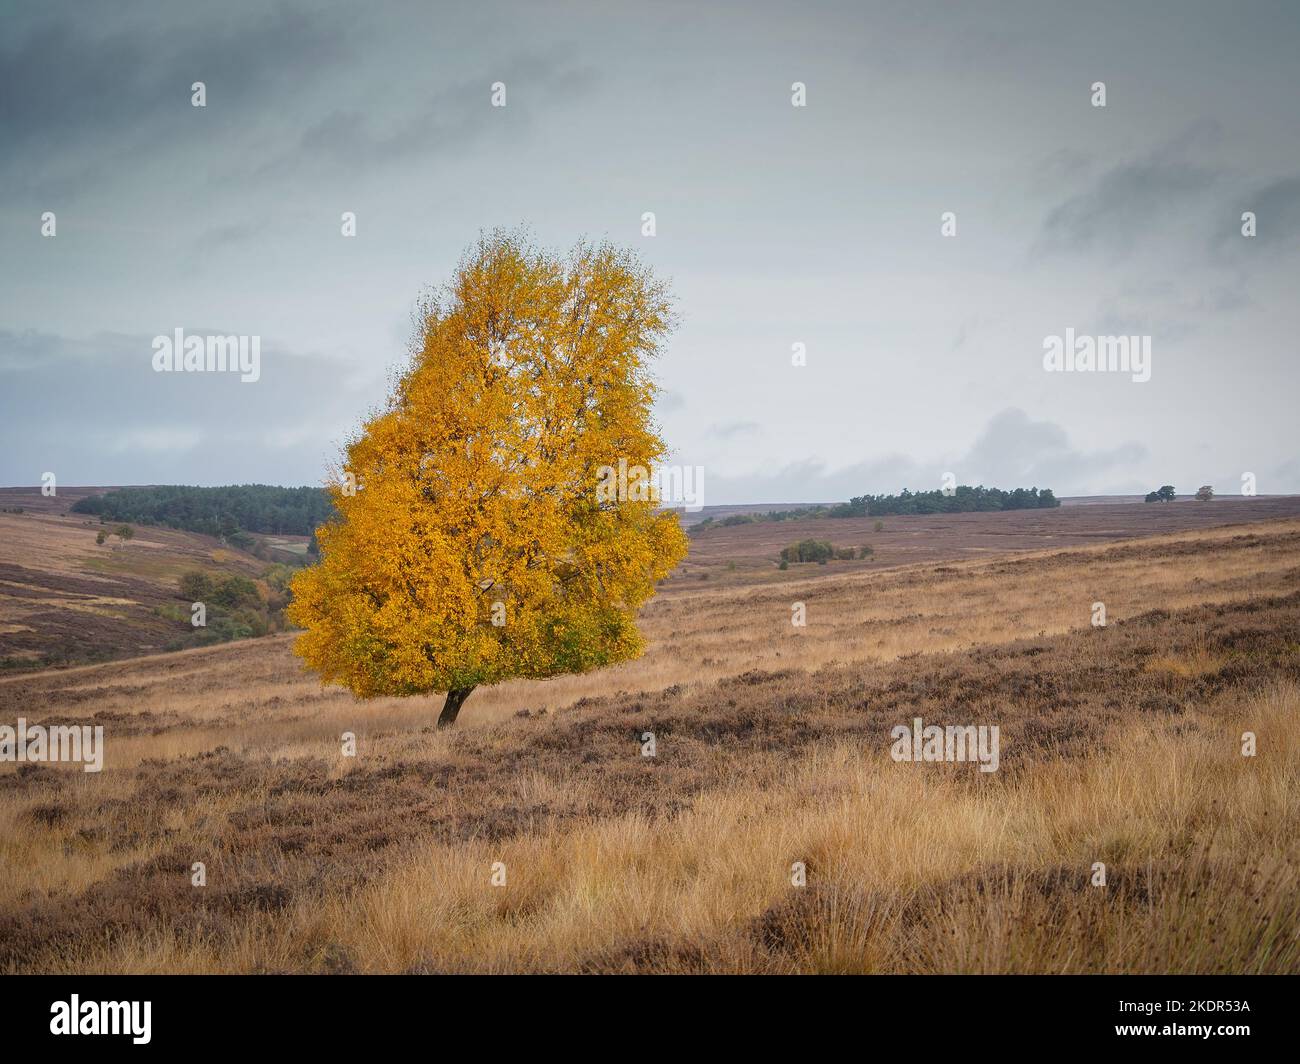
31,500
754,549
64,599
1119,746
700,632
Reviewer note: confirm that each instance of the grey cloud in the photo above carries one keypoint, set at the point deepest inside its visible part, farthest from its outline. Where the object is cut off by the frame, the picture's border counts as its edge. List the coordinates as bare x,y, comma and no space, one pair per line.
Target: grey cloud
449,119
1277,216
670,401
1168,314
1061,166
68,95
811,481
228,235
734,428
1012,451
776,224
94,411
1016,451
1278,212
1284,475
1126,203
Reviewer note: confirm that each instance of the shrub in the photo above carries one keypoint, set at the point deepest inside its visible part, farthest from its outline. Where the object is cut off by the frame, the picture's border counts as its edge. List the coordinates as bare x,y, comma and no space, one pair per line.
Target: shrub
237,591
237,607
865,552
808,550
845,554
223,628
880,526
197,586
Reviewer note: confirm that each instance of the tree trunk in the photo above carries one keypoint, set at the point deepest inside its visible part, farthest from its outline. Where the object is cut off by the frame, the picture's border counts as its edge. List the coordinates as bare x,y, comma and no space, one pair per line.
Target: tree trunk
451,707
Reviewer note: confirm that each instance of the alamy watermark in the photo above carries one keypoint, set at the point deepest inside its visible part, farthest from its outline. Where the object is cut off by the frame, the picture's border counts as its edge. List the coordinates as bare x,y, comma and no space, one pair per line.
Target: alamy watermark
102,1017
930,742
669,486
179,353
1098,354
75,743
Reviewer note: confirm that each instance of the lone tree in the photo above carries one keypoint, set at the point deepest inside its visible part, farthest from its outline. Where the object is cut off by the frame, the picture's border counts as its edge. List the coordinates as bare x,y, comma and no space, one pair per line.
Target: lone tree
1205,493
472,544
1165,493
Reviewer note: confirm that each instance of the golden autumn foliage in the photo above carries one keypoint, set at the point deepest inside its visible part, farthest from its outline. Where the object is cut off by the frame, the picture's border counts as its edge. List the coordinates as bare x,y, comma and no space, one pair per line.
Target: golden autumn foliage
475,546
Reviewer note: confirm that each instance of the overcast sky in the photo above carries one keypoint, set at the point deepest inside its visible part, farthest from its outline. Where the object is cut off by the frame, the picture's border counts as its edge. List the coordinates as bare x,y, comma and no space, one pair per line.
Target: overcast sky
776,225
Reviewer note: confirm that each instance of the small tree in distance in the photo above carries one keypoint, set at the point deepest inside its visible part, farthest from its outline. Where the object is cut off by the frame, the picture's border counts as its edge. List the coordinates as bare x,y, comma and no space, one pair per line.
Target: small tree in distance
1164,494
1205,493
475,546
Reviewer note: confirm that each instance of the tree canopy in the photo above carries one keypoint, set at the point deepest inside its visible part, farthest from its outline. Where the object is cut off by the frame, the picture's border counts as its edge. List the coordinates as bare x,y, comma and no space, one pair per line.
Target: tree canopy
223,511
474,546
964,499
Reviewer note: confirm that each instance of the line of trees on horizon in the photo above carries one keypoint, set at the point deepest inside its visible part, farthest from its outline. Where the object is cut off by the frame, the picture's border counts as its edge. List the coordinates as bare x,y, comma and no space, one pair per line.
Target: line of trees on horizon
964,499
225,512
231,511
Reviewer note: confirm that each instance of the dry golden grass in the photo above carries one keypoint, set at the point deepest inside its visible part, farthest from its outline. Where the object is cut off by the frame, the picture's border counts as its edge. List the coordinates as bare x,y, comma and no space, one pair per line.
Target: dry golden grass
1120,745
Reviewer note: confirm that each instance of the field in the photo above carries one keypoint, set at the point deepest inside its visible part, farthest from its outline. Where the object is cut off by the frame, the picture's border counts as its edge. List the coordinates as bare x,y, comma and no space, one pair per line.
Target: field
65,599
752,548
537,837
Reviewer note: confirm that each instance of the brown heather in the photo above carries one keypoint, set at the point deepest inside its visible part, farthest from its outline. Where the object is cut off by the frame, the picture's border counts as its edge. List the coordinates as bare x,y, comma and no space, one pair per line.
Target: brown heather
1119,745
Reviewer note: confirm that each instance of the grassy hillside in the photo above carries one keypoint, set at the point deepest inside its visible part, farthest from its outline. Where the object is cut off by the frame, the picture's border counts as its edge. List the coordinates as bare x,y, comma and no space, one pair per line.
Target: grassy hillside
1119,745
748,553
66,599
